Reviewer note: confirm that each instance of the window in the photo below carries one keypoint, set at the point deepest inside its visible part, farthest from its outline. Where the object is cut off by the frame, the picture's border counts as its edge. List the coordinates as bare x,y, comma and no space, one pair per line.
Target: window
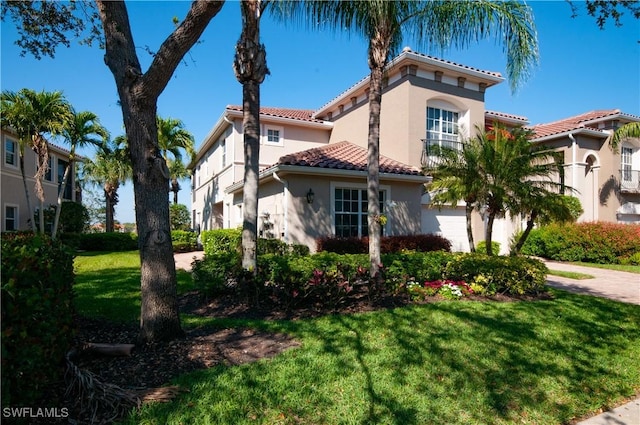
627,153
223,146
62,165
10,218
48,176
351,212
442,127
10,152
274,135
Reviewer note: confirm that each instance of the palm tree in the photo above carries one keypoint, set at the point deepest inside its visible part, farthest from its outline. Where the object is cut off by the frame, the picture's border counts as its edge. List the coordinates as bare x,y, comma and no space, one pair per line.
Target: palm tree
110,168
83,129
173,139
457,177
629,130
250,67
517,177
32,115
439,24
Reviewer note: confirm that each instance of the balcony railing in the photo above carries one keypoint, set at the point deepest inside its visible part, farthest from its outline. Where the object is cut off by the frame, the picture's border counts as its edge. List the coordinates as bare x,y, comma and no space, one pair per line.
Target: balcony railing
434,149
630,181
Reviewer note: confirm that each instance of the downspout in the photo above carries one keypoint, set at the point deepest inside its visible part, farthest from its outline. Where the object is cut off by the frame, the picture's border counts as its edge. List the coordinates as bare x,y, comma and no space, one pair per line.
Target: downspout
228,121
285,226
574,155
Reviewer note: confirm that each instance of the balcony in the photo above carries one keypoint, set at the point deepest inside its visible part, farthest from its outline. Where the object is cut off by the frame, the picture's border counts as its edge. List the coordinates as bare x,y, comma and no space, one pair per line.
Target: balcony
433,150
630,181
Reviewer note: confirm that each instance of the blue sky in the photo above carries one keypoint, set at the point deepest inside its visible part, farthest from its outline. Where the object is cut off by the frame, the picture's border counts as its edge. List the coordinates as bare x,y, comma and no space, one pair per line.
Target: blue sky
581,68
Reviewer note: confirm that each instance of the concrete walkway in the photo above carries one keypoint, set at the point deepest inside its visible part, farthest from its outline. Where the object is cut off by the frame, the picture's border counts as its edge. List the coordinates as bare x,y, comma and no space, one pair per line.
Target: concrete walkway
619,286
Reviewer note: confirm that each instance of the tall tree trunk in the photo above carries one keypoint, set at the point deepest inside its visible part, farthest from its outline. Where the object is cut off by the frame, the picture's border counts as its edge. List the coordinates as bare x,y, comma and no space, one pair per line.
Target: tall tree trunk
109,215
65,176
175,188
250,66
489,232
138,93
26,192
468,210
378,51
251,129
42,152
523,237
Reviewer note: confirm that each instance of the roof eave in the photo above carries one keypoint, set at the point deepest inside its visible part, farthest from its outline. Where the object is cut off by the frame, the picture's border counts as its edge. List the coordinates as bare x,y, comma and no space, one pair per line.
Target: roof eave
317,171
583,131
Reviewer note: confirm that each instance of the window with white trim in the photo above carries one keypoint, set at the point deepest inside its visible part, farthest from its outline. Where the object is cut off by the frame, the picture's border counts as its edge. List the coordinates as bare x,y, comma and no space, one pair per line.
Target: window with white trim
627,163
62,166
442,126
223,147
10,218
350,211
274,135
11,152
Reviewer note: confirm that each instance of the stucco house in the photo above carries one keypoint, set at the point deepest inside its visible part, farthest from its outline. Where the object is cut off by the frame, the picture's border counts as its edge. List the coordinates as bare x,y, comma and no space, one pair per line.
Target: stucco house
606,181
15,214
322,154
313,162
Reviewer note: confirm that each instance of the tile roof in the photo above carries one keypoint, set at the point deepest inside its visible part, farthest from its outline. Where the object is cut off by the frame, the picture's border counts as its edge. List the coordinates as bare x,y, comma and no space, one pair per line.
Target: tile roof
444,61
344,156
294,114
572,123
505,115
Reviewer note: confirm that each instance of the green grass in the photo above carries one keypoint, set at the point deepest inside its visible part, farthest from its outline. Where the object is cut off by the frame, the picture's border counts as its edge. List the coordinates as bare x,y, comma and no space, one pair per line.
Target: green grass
570,275
108,285
460,362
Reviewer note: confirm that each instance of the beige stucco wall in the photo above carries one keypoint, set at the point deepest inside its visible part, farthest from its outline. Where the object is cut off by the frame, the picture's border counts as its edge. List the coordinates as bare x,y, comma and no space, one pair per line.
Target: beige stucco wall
12,187
403,117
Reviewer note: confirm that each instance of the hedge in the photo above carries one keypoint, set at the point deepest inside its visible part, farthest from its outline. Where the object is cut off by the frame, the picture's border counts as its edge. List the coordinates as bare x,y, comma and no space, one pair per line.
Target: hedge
388,244
230,240
37,315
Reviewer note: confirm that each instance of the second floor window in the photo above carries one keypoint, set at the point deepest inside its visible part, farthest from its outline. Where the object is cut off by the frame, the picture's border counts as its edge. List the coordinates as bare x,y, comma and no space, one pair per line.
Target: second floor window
62,166
626,165
11,152
442,126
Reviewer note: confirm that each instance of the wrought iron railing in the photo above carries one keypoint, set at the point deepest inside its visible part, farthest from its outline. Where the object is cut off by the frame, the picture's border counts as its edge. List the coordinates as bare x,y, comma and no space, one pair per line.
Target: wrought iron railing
434,150
630,181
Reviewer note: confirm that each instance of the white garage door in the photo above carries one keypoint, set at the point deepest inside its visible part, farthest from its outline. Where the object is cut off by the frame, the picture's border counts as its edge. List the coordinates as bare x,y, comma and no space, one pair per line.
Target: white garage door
449,223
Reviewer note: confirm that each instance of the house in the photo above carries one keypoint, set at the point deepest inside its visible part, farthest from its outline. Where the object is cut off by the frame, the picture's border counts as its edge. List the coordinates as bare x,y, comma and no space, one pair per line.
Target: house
606,181
313,166
15,214
313,162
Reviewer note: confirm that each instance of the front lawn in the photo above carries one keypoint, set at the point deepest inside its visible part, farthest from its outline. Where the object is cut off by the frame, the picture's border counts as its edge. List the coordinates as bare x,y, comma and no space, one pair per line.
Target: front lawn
454,362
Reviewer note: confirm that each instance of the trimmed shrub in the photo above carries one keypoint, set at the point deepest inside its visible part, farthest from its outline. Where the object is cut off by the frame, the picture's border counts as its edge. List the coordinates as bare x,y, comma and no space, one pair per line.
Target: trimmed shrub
37,315
596,242
498,275
184,240
110,241
215,274
482,247
221,241
388,244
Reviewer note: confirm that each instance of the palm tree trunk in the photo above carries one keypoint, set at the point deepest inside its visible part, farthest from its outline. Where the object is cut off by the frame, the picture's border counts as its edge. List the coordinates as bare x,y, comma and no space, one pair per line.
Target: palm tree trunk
489,233
468,210
109,211
523,237
378,51
251,125
56,220
26,192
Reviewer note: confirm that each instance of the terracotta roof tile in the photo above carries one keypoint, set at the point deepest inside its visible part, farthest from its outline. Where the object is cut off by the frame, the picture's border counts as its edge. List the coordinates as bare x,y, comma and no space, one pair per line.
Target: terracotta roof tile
572,123
294,114
344,156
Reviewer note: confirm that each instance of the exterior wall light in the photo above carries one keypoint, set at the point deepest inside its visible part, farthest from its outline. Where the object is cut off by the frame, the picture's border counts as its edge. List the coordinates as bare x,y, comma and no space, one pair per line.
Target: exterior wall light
310,196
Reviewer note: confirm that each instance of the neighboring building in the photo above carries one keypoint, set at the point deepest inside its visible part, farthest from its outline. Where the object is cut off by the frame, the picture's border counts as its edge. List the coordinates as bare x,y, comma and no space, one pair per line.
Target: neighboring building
606,182
313,163
14,213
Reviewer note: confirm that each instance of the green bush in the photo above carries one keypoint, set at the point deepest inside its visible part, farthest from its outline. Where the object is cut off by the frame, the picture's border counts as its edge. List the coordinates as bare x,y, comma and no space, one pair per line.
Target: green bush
110,241
37,316
497,274
482,247
184,240
179,217
215,274
604,243
221,241
388,244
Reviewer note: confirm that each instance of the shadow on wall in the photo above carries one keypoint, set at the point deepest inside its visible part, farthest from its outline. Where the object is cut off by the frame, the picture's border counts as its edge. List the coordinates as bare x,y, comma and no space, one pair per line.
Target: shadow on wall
609,189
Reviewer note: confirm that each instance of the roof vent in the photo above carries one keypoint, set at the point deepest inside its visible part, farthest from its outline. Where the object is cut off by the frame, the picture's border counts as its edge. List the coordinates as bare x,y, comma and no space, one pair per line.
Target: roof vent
406,49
